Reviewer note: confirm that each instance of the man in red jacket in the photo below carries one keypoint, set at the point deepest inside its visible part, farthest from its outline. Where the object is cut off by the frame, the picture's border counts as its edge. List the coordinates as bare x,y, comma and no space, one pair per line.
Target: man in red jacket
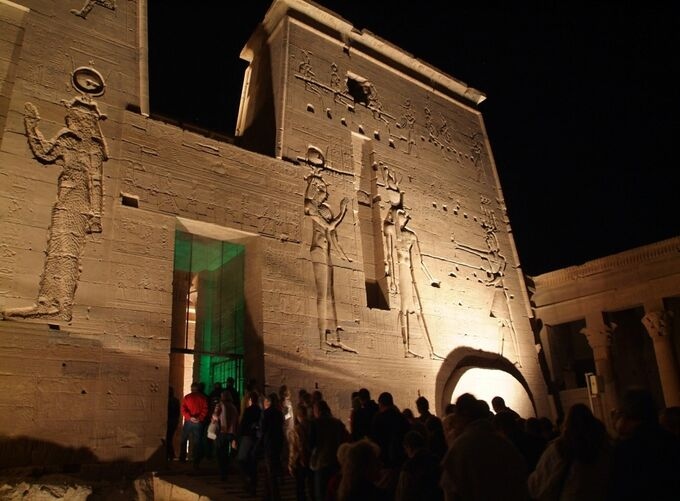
194,410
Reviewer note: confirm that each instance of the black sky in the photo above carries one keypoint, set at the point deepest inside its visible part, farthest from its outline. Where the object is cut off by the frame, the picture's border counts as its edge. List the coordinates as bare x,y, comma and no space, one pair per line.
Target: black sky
582,108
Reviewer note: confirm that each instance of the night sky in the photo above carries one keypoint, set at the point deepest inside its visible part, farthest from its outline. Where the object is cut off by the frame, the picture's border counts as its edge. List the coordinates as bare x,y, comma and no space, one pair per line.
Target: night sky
582,108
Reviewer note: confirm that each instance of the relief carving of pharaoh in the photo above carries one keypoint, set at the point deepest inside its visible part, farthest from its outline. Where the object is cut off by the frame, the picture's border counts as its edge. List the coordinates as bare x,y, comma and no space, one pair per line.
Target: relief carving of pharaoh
80,150
324,239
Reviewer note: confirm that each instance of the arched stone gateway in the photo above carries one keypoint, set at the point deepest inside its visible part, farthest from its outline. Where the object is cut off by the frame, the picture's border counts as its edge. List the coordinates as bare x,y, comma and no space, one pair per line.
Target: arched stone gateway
492,374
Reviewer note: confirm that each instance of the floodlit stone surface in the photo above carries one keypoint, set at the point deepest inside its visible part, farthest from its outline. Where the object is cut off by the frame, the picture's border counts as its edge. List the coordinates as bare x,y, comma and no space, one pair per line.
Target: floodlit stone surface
378,251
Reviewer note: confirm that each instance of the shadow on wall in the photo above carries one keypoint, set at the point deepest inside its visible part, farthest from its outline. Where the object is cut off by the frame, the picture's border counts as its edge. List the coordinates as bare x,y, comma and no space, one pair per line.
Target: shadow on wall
32,457
71,394
460,360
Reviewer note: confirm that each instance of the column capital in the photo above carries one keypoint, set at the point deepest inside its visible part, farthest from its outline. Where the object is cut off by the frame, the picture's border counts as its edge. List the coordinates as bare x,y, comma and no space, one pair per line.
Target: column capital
658,324
600,336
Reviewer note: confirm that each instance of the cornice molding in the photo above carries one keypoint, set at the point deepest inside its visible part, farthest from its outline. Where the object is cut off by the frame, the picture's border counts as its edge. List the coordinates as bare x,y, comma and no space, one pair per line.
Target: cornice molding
665,249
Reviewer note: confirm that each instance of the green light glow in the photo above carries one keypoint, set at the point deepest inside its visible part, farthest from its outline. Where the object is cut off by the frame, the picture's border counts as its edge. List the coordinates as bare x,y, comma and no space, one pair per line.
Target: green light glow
217,269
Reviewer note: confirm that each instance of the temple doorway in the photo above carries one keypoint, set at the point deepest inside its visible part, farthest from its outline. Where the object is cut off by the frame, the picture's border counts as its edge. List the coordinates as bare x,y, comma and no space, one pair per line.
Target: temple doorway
208,313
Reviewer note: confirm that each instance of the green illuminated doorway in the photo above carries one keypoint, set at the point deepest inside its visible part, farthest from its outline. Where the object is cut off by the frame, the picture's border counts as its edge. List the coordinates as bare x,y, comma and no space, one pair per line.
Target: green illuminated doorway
208,313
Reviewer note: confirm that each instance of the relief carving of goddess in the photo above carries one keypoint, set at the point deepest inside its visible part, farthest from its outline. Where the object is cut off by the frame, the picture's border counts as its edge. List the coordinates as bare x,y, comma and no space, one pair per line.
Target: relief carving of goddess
80,150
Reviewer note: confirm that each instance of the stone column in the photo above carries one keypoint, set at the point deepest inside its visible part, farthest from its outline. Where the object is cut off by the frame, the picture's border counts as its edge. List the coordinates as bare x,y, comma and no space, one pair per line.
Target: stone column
657,324
599,338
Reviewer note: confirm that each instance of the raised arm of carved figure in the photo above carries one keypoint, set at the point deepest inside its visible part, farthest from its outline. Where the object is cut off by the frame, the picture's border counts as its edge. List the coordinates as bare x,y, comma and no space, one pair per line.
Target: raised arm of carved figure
322,216
388,247
334,224
341,215
468,248
433,281
46,151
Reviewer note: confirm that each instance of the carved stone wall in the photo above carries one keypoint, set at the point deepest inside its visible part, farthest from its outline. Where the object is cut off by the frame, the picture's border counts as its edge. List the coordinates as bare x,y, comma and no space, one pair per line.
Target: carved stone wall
368,107
84,281
366,132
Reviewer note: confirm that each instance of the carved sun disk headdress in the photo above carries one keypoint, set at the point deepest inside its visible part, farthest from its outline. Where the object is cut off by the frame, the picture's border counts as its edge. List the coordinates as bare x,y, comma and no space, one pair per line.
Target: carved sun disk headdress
315,156
89,83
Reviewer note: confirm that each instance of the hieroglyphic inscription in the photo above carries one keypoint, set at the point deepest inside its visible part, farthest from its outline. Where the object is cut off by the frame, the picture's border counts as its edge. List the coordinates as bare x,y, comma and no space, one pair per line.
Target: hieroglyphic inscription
402,127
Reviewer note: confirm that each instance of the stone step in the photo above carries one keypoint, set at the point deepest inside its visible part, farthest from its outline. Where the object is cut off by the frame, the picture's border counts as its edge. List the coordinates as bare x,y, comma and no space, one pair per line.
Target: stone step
183,482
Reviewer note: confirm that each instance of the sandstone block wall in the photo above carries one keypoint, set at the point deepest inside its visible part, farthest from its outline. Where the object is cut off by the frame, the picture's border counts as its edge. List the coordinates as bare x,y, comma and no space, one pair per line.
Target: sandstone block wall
92,388
95,358
369,110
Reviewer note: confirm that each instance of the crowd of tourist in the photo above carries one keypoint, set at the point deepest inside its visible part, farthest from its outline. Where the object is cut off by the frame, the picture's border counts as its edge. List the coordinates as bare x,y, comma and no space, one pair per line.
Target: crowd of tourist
474,452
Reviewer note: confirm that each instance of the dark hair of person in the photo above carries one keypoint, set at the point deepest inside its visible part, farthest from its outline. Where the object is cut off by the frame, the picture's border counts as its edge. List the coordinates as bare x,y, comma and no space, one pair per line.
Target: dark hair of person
484,408
465,400
273,399
284,392
505,423
324,409
360,465
386,399
498,402
422,404
583,435
300,412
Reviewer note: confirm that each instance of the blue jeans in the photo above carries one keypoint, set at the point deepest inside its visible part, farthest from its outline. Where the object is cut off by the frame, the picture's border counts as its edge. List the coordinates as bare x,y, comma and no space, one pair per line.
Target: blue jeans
191,435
